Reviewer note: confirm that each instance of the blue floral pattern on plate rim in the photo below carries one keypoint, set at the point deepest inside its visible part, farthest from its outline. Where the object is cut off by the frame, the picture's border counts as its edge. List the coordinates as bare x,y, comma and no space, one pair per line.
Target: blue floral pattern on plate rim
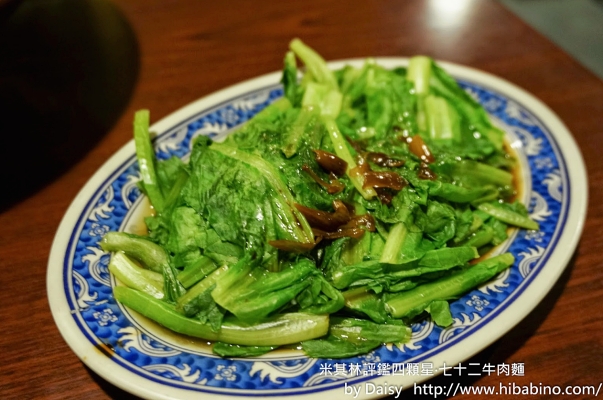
88,285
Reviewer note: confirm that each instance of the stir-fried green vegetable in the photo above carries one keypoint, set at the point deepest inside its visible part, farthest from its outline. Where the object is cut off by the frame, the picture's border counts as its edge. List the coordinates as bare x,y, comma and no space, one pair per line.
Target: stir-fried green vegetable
353,206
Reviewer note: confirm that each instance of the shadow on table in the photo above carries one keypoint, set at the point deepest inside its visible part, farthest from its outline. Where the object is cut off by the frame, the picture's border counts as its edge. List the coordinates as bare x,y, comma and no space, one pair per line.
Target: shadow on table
68,70
111,390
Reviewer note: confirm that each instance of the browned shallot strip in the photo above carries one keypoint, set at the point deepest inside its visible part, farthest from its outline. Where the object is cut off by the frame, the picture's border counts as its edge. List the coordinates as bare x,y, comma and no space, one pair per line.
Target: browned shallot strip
339,223
330,162
426,173
383,179
417,146
361,168
385,196
333,187
326,221
354,228
365,220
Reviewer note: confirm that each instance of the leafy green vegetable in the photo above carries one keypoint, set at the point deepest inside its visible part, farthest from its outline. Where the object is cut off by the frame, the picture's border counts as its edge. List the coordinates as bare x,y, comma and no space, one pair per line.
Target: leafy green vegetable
339,214
334,347
506,214
274,331
148,253
235,350
413,302
440,312
350,337
146,159
252,293
363,300
197,271
136,277
359,330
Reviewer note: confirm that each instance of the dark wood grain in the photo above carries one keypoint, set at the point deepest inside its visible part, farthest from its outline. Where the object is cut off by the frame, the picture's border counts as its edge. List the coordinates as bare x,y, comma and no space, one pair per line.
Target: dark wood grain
190,48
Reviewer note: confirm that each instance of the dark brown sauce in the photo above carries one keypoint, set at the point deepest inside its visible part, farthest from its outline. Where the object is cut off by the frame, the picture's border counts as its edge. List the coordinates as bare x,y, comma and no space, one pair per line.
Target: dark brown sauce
426,173
362,167
326,221
518,184
385,196
105,348
417,146
137,225
330,162
334,186
383,179
383,182
337,224
354,228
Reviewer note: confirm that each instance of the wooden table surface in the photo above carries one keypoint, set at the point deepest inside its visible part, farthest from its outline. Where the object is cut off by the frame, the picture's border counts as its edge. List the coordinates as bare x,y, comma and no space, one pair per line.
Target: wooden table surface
187,49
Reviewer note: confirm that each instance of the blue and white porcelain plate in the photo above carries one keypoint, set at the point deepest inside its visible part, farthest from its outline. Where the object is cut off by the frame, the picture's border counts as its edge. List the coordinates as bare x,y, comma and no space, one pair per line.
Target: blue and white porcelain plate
145,359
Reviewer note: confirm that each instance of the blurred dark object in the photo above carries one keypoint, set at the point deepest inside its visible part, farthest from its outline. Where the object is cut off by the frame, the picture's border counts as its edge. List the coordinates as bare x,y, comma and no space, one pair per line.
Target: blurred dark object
7,7
67,71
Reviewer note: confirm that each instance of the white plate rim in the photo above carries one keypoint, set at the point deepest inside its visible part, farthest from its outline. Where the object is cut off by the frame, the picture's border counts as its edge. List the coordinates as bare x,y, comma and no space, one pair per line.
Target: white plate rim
488,334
